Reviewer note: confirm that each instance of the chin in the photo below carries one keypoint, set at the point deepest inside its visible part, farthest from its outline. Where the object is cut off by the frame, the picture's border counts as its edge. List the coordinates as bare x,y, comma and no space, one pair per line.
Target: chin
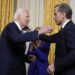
58,23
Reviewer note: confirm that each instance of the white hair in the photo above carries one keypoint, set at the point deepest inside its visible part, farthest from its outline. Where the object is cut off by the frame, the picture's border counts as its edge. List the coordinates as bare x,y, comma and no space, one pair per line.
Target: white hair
18,13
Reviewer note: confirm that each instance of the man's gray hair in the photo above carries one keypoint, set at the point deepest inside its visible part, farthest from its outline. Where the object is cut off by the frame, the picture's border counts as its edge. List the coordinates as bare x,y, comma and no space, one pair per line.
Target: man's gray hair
18,13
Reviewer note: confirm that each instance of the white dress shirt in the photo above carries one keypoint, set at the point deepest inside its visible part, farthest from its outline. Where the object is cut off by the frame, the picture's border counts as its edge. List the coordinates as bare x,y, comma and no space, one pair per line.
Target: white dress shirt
18,25
23,31
64,24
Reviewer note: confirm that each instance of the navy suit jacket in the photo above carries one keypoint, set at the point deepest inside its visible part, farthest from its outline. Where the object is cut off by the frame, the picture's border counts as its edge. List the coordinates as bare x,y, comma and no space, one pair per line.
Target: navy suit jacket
12,50
65,49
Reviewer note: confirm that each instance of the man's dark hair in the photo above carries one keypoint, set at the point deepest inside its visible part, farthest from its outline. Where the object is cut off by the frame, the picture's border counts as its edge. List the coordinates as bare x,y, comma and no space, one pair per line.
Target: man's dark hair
63,7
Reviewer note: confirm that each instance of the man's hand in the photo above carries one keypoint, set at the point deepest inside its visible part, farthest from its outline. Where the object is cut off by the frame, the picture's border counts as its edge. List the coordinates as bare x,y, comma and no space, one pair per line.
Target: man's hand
45,29
32,58
51,69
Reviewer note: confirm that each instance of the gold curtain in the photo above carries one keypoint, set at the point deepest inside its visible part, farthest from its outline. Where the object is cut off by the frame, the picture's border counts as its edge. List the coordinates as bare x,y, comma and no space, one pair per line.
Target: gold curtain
6,12
48,20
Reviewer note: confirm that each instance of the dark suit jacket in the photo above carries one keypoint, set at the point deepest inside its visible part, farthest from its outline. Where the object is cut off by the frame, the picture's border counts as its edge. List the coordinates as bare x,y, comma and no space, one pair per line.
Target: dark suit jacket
65,49
12,55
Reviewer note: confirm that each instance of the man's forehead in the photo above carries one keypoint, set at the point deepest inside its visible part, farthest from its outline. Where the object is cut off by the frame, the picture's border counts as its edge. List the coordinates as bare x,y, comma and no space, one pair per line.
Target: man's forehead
56,9
26,12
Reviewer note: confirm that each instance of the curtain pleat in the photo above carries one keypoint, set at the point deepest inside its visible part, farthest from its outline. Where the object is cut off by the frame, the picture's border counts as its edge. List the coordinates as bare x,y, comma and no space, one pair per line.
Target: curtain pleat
6,12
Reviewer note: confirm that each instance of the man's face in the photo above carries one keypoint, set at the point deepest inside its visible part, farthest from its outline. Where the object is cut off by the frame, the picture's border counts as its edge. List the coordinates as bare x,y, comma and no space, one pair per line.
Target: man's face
24,19
58,16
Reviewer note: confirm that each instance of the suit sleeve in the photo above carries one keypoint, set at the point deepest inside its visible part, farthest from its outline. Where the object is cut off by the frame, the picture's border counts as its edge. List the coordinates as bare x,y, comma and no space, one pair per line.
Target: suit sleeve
49,39
68,60
19,37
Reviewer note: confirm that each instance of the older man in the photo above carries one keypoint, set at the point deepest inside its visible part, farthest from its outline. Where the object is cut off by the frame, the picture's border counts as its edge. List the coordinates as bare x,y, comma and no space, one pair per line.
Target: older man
12,42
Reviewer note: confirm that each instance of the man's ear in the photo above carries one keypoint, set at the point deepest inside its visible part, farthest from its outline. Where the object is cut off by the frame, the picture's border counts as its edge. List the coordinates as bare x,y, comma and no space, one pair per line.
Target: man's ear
64,14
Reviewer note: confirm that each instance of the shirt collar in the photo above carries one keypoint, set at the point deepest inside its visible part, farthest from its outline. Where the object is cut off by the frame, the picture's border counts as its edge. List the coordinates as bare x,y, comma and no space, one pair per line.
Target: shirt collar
64,24
18,25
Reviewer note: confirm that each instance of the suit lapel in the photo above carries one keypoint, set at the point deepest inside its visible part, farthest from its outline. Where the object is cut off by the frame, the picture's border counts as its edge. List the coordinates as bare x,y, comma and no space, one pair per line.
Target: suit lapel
68,24
15,27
